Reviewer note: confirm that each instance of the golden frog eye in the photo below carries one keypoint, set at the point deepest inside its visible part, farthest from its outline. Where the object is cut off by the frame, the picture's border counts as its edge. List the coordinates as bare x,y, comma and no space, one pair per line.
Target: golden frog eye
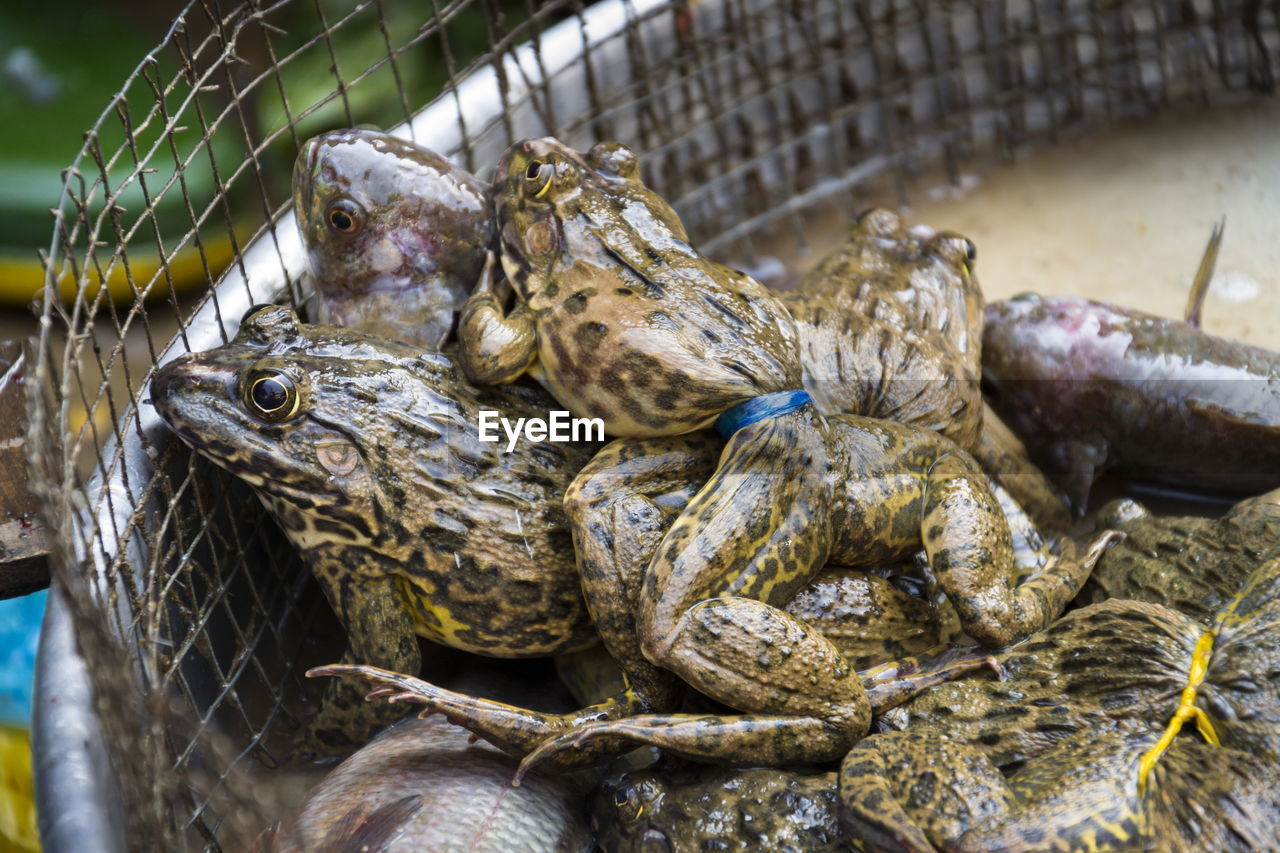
539,175
345,216
273,396
628,802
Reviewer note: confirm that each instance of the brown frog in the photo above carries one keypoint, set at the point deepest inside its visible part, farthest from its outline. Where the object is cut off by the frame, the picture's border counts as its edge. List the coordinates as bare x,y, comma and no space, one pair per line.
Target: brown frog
617,314
890,326
369,454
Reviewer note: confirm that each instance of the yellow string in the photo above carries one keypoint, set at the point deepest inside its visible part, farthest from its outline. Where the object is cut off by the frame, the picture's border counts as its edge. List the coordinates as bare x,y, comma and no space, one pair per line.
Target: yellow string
1186,710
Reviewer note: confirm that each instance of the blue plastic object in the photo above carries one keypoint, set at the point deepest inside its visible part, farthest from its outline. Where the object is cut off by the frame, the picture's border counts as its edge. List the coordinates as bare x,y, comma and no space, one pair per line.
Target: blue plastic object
759,408
19,634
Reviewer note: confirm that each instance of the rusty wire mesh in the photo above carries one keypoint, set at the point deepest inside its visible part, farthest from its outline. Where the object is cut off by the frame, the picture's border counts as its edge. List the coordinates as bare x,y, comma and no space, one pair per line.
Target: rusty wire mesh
753,117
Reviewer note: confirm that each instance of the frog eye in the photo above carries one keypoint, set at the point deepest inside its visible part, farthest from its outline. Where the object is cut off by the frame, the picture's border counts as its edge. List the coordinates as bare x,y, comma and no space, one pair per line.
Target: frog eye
539,174
628,802
345,216
272,396
255,310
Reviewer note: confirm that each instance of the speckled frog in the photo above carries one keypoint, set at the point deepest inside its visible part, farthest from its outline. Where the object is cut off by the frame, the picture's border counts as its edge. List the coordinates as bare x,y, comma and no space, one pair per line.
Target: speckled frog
618,315
622,319
1191,564
367,452
1112,719
922,791
1110,722
890,326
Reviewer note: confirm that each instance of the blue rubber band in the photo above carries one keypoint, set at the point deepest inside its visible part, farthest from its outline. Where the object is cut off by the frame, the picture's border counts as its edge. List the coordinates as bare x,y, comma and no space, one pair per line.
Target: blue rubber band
759,408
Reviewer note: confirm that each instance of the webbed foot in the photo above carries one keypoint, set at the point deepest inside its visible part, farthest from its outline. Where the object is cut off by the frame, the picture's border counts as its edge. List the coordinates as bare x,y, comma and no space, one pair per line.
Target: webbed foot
516,731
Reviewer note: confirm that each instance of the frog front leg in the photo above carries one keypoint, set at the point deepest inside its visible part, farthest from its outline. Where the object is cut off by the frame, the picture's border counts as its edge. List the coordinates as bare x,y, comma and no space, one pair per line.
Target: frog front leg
970,551
495,347
379,632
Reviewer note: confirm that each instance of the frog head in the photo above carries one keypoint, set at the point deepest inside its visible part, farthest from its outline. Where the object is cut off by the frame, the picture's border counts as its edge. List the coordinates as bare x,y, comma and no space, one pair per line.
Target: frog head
627,812
308,416
559,211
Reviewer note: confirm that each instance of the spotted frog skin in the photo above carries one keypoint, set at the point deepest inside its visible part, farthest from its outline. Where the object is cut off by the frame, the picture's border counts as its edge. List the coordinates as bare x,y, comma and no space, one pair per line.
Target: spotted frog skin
1191,564
1109,722
710,808
923,791
890,326
395,235
366,451
1125,661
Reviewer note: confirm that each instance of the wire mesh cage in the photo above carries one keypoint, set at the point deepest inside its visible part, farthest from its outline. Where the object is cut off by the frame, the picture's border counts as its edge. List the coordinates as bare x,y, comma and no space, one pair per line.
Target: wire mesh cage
756,119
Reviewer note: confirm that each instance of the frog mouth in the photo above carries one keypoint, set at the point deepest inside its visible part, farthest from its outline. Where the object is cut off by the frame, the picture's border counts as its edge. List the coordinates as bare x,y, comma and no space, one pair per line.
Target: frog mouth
304,176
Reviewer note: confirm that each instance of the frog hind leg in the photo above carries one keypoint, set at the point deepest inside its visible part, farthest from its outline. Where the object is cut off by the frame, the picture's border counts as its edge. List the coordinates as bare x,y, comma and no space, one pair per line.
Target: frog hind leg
970,551
708,609
1004,457
515,730
379,632
620,507
917,791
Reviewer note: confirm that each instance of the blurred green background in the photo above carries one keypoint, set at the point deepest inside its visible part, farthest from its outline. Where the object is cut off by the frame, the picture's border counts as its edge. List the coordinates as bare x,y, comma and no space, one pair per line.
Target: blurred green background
62,64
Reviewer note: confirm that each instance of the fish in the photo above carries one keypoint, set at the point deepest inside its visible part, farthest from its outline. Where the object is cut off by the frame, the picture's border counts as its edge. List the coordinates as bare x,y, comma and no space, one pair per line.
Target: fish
1091,387
423,785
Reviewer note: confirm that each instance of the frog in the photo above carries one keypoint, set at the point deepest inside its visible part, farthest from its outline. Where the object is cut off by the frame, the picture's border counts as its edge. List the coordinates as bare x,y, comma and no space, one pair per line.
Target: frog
890,325
368,454
1087,737
622,319
1193,564
395,235
923,791
697,808
617,313
1124,660
1095,386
